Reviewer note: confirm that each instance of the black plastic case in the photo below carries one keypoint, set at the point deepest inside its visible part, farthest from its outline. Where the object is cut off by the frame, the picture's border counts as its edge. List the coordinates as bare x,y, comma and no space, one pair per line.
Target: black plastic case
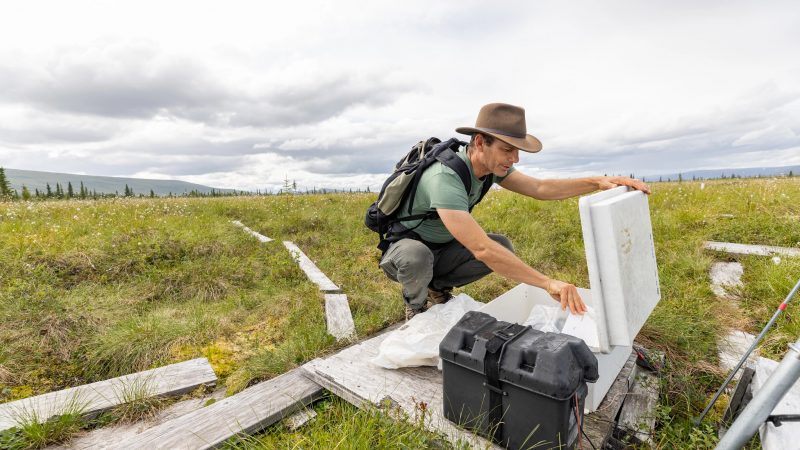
541,377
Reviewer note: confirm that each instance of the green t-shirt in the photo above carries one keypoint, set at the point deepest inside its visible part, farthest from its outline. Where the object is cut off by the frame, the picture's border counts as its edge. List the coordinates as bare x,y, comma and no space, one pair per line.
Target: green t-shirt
441,187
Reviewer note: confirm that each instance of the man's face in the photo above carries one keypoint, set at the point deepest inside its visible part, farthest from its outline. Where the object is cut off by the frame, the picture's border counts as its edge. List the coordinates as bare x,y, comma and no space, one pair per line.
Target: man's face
500,156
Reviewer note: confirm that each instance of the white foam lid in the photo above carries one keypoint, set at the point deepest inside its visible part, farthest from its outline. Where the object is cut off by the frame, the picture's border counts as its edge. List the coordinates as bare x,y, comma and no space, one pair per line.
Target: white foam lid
623,274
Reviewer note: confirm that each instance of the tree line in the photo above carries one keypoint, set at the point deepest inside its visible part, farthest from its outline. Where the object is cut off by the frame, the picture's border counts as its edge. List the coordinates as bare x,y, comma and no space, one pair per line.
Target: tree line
58,191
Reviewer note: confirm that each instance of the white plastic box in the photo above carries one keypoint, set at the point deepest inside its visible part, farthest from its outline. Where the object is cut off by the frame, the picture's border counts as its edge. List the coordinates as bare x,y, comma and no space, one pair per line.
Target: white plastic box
623,279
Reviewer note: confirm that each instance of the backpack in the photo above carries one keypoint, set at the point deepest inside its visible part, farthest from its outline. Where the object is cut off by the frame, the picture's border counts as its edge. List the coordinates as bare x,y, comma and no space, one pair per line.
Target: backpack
384,215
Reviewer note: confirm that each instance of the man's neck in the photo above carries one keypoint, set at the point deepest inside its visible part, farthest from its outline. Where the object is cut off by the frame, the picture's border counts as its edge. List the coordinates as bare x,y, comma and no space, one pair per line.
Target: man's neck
478,168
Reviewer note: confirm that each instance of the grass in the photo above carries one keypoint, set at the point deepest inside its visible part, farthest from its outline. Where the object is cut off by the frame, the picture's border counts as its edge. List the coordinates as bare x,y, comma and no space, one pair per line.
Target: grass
340,425
94,289
33,431
137,401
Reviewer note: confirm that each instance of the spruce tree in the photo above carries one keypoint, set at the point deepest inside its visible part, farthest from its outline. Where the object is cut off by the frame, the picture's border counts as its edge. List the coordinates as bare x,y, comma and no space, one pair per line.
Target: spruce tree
152,194
5,186
49,191
59,191
26,194
83,191
70,191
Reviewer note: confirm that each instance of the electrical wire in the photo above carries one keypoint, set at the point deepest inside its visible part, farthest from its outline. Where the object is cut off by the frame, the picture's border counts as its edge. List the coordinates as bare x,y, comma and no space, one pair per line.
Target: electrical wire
580,426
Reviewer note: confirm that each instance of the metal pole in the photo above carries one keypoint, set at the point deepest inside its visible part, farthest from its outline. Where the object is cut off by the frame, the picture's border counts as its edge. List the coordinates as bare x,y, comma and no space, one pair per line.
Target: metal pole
746,355
764,401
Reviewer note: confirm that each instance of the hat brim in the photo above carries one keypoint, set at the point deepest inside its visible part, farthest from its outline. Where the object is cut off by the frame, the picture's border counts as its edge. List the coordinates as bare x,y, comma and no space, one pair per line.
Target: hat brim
528,144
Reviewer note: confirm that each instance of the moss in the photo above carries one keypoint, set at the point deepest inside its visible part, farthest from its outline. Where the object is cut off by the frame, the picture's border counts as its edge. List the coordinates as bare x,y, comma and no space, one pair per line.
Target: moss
20,392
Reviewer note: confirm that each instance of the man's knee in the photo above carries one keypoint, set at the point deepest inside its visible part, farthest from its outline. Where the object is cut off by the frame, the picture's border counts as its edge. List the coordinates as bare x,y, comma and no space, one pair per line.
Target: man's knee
409,255
502,240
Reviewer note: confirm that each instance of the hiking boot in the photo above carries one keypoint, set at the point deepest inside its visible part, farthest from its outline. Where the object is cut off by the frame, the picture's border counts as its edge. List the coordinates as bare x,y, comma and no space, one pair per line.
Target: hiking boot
412,311
439,297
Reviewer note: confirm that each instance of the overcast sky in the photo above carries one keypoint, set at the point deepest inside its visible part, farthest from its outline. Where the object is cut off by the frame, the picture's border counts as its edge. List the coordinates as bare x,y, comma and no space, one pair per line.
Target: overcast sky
245,94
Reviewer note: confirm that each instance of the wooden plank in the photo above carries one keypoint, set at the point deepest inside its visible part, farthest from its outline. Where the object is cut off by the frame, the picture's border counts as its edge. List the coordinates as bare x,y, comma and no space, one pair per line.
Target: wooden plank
351,376
246,412
103,395
725,278
599,425
107,437
733,346
312,271
256,234
299,419
638,416
739,397
744,249
338,317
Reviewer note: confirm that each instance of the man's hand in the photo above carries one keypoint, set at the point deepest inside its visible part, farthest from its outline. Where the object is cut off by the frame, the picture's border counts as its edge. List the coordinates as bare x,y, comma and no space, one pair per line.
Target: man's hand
604,183
567,294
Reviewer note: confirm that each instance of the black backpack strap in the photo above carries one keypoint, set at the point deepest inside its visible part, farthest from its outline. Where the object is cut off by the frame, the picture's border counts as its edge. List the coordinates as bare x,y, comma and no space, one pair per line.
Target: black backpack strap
450,159
429,143
453,161
487,184
491,368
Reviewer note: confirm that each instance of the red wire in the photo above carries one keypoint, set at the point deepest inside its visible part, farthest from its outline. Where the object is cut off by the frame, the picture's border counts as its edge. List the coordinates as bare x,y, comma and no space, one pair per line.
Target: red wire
578,420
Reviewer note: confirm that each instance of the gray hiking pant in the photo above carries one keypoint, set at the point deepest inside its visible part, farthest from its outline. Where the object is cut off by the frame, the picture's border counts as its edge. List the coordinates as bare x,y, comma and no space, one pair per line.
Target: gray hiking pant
417,267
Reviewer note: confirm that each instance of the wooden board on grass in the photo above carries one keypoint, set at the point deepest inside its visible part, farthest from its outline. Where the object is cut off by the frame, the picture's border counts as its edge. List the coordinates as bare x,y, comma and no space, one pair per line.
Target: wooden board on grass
350,375
246,412
338,317
312,271
254,233
96,397
746,249
600,424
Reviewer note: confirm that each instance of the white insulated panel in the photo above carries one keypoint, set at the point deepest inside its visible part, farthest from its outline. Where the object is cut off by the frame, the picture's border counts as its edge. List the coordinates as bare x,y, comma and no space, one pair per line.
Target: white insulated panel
620,256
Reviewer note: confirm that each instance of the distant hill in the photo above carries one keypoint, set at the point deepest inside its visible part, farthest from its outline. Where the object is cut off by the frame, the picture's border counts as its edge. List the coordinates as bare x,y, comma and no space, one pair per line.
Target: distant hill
103,185
719,173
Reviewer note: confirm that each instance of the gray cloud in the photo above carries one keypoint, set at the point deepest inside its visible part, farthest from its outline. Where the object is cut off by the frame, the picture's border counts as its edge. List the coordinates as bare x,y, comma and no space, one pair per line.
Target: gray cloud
612,88
122,81
137,81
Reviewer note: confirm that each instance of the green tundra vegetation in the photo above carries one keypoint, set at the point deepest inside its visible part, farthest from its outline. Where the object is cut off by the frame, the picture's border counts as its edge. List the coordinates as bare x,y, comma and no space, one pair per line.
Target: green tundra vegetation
94,289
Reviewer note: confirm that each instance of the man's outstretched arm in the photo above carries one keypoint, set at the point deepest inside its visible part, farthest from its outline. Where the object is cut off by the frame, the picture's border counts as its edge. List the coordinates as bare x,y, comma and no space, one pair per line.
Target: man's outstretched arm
503,262
554,189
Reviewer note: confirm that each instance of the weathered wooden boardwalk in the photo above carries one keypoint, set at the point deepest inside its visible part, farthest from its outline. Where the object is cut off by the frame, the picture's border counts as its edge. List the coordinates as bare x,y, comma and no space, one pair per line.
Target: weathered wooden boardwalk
338,317
745,249
337,309
246,412
103,395
312,271
350,375
253,233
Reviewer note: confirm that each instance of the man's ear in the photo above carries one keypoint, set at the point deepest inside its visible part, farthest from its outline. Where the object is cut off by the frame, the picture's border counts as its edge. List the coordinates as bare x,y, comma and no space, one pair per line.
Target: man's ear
480,143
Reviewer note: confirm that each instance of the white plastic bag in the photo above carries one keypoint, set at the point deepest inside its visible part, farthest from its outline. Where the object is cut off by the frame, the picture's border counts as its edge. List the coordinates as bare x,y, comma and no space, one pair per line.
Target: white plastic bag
549,319
417,342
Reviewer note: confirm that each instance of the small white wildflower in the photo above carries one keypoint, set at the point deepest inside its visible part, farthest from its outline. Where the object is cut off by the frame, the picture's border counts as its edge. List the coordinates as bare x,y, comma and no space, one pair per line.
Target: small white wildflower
776,260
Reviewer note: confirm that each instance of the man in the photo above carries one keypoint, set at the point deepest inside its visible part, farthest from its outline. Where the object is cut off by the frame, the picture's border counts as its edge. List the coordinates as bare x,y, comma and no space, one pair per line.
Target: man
454,250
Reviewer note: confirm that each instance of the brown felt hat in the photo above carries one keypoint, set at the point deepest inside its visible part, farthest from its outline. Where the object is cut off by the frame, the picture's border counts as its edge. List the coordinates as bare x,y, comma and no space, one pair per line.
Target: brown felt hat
505,122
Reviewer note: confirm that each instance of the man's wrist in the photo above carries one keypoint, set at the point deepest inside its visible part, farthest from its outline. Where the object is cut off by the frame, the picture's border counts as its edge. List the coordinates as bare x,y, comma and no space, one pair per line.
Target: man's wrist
545,284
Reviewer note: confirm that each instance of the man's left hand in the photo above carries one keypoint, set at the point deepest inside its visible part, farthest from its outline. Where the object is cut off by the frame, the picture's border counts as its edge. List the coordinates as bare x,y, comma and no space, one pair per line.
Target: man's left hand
604,183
